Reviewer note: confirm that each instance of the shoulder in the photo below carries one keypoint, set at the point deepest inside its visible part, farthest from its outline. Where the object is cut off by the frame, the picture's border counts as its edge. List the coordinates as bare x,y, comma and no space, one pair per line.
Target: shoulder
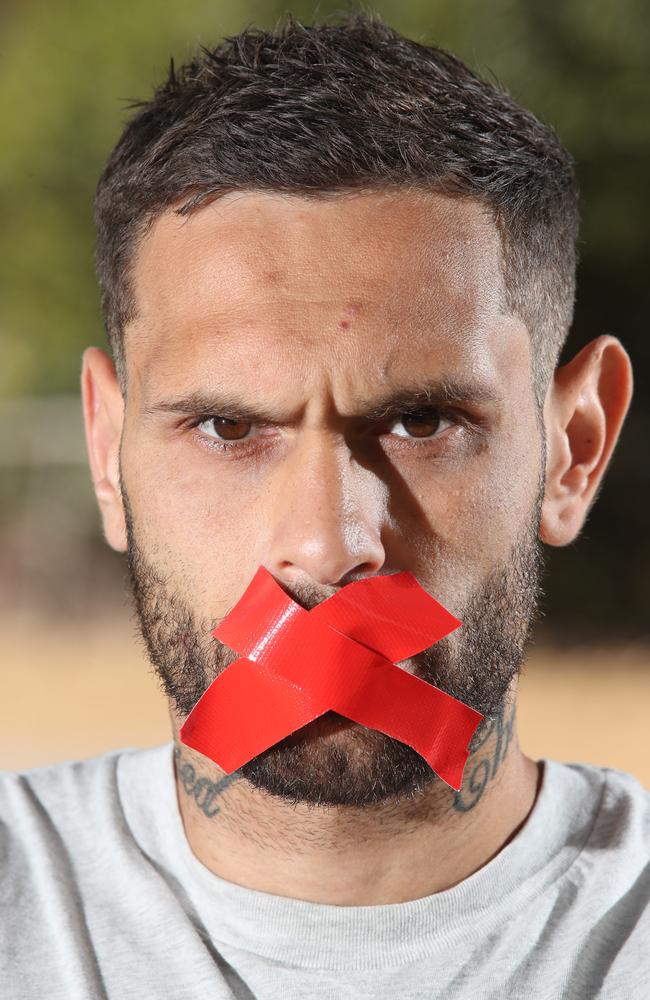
614,871
55,786
622,805
597,822
604,811
612,842
619,843
65,799
62,824
625,792
73,874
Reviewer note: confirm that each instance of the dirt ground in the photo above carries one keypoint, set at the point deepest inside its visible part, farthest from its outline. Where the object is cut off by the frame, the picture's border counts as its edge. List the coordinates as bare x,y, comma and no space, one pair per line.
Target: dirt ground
70,693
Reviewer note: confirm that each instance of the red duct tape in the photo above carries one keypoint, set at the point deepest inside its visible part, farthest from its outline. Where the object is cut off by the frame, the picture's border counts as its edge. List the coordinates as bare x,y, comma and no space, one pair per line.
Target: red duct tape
341,655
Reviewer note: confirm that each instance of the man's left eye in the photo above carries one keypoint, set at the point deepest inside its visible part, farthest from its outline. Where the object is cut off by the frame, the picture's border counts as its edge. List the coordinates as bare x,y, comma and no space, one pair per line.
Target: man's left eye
420,425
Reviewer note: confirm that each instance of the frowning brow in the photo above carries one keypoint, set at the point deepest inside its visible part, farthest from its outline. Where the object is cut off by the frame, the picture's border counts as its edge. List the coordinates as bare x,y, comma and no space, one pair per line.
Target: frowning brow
441,392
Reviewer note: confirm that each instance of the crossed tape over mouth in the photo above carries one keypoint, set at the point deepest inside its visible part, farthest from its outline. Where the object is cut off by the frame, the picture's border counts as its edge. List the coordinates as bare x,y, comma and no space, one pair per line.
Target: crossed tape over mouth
297,664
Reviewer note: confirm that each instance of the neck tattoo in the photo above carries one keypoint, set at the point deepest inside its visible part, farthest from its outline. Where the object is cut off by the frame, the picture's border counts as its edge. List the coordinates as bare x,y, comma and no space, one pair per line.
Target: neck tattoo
203,790
482,771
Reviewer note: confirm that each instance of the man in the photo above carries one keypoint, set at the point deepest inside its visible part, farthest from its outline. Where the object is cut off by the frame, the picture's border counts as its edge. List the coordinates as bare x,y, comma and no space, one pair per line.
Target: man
337,269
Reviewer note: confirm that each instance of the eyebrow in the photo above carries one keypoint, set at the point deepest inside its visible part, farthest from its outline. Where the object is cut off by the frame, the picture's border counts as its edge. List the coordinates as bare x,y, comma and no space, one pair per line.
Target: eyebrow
441,392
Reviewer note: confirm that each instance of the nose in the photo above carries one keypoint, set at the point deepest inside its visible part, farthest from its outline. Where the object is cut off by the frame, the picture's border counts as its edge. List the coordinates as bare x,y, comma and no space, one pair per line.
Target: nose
327,517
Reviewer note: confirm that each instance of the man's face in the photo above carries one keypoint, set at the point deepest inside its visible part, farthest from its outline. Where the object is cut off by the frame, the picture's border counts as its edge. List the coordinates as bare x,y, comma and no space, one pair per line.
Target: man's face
272,332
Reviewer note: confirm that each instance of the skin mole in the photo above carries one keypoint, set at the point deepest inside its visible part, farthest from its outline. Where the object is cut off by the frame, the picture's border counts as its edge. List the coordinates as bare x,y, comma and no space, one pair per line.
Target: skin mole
351,309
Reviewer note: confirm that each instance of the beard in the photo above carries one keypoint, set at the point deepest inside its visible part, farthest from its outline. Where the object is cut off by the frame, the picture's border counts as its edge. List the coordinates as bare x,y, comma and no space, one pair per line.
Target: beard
332,760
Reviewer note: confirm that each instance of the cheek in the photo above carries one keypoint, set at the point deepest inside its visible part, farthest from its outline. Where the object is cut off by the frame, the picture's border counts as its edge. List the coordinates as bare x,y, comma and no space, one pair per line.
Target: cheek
473,517
195,522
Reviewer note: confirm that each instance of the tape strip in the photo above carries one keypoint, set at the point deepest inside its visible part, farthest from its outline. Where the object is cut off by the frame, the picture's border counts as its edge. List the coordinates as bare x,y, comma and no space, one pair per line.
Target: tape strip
298,664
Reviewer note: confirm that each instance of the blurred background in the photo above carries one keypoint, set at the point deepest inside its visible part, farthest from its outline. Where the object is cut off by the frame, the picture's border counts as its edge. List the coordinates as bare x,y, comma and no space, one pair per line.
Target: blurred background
74,677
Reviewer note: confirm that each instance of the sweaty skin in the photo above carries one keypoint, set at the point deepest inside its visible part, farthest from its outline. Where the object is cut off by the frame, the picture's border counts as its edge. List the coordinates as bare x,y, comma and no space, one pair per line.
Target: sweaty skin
309,312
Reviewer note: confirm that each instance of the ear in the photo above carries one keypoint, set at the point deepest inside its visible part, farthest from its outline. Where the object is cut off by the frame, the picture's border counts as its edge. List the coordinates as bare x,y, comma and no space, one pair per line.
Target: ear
103,409
583,415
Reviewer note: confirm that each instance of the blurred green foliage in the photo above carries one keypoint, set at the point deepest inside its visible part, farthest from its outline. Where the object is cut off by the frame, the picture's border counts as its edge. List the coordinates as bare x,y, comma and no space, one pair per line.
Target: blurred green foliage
68,68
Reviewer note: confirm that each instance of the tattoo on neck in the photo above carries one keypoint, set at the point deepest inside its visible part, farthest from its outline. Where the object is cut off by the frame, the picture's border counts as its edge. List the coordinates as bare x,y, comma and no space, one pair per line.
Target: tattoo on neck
483,770
202,789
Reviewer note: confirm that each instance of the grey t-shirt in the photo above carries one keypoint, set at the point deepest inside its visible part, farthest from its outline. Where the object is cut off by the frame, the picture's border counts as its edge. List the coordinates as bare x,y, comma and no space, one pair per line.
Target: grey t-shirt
101,896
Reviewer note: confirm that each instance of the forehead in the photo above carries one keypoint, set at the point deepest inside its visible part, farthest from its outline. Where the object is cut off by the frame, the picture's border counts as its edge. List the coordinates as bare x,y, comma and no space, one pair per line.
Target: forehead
376,282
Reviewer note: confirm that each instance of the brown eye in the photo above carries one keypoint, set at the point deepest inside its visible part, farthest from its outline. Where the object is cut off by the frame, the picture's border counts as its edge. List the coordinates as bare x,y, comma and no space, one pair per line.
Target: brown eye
227,430
420,424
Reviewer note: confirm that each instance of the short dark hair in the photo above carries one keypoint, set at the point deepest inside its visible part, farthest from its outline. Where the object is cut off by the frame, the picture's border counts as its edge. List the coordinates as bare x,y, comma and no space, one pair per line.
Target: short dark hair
337,106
